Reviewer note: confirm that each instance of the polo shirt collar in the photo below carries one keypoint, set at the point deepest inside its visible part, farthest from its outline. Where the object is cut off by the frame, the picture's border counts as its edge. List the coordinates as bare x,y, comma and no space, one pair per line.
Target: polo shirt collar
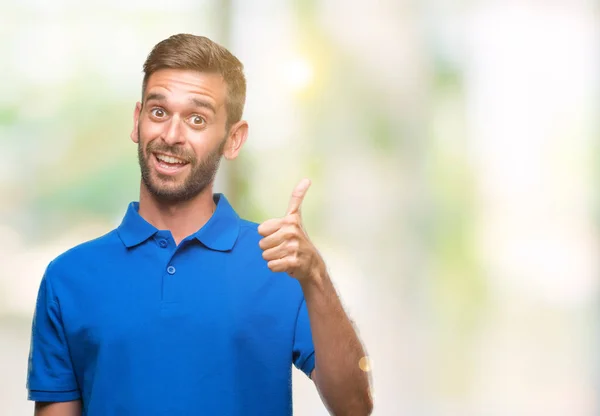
222,229
134,229
219,233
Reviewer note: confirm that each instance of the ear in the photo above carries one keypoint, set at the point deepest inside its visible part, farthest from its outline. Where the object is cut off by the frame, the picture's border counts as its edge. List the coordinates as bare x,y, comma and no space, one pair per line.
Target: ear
136,119
238,133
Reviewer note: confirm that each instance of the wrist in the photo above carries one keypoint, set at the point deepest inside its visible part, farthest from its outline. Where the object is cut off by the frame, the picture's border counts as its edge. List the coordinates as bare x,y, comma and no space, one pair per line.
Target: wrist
316,279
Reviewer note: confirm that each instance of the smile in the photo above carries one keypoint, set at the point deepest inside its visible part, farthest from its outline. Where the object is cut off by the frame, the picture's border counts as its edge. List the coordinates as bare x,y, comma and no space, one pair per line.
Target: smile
168,165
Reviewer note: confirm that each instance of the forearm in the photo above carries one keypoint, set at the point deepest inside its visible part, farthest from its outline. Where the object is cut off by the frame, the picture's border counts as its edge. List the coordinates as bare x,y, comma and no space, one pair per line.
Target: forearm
343,385
72,408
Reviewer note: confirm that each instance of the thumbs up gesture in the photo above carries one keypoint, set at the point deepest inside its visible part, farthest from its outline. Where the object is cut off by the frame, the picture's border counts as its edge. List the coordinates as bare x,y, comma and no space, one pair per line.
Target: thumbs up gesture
286,246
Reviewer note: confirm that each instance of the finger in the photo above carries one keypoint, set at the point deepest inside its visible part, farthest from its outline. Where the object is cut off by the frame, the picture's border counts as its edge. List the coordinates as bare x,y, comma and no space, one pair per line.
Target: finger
276,253
276,238
298,196
288,264
270,226
279,265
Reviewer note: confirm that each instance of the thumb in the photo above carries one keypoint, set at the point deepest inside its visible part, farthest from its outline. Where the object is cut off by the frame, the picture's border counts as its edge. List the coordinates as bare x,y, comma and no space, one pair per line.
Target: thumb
298,196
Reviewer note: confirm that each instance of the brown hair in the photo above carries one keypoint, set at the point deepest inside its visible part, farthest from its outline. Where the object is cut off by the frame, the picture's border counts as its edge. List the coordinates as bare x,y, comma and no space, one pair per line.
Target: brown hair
198,53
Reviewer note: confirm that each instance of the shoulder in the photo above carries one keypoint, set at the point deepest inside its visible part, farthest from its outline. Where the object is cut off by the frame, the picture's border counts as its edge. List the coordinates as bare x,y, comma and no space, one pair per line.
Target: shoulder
84,253
248,229
251,260
248,236
247,239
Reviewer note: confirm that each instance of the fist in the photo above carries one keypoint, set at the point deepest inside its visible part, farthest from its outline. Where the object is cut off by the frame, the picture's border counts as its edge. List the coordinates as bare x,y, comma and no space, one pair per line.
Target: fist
286,246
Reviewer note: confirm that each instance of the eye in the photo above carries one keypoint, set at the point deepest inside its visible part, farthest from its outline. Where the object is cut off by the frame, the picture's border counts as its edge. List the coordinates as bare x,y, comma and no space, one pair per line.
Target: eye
197,120
158,112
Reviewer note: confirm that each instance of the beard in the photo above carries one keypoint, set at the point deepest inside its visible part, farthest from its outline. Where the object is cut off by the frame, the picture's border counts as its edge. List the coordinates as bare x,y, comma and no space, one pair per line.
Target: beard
172,189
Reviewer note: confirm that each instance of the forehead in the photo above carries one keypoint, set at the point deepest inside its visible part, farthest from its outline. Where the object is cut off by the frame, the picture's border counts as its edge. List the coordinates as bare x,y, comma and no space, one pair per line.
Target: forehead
181,84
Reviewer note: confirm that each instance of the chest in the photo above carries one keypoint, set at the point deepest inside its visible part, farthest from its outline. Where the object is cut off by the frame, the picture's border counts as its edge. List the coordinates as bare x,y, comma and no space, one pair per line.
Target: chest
210,306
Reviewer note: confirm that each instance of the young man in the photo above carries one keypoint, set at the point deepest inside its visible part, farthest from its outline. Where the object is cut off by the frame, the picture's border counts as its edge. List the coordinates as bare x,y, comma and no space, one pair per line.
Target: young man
186,309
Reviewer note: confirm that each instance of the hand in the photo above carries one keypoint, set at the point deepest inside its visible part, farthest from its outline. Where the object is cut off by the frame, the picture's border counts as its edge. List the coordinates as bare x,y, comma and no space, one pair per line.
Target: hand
286,246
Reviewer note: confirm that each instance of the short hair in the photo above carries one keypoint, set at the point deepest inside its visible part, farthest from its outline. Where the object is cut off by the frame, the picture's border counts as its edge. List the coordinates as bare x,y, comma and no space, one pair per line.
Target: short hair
199,53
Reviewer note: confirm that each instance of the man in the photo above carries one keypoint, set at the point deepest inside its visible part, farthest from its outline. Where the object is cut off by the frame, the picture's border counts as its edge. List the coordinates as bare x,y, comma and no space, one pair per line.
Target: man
186,309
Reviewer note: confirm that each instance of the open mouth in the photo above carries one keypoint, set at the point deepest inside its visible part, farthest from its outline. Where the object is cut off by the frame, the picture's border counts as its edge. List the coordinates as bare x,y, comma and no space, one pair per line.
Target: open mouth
167,164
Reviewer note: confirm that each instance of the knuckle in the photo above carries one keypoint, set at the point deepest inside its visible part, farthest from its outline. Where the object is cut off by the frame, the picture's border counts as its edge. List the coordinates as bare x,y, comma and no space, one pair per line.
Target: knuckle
297,228
291,219
288,233
295,262
293,245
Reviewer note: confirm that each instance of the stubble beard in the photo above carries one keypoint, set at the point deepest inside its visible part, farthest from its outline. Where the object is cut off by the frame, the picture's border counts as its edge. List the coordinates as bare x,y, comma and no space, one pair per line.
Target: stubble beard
201,175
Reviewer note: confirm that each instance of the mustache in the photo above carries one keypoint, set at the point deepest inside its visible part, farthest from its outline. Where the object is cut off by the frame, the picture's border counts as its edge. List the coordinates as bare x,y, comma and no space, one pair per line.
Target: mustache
176,151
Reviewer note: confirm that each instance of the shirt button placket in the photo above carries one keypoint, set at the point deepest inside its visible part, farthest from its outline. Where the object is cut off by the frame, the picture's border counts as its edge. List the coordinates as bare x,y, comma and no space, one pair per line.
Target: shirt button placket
169,287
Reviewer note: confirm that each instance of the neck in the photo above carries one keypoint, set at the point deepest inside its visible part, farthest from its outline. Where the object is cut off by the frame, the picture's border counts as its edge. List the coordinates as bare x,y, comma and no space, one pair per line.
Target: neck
181,218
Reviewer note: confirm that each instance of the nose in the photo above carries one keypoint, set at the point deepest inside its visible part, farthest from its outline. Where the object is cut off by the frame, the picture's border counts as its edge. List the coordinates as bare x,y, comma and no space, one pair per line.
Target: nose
172,134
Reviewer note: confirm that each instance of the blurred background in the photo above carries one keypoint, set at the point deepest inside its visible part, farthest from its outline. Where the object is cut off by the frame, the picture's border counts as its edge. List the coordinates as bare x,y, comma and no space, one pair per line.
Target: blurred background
453,148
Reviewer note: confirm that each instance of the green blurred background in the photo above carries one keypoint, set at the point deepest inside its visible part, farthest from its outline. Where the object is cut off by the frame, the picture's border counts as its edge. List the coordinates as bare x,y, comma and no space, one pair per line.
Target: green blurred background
453,149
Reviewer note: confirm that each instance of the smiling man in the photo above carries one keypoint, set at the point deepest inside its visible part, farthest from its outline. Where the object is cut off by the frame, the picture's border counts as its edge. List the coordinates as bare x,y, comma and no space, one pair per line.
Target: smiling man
185,308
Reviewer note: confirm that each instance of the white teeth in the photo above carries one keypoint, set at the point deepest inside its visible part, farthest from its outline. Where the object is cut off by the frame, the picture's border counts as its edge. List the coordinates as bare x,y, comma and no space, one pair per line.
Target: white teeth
169,159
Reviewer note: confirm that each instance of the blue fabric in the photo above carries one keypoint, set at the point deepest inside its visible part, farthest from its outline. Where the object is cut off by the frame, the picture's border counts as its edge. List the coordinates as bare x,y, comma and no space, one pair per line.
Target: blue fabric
133,325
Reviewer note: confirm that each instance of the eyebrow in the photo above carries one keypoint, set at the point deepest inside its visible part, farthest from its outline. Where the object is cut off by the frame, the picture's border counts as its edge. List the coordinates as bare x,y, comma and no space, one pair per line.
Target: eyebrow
204,104
199,103
155,96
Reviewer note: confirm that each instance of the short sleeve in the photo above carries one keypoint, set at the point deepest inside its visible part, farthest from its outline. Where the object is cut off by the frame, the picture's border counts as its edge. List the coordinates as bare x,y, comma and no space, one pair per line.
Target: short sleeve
50,376
304,350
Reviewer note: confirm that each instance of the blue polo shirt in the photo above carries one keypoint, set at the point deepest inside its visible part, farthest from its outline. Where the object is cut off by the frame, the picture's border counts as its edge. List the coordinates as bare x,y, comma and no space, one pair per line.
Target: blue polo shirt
132,324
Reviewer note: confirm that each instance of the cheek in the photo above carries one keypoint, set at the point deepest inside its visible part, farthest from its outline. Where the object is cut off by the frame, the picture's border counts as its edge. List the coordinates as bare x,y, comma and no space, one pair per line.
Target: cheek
148,130
205,152
208,141
200,144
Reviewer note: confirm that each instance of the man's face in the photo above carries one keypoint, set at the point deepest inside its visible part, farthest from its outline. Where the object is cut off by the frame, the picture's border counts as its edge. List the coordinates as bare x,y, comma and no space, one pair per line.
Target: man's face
181,132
